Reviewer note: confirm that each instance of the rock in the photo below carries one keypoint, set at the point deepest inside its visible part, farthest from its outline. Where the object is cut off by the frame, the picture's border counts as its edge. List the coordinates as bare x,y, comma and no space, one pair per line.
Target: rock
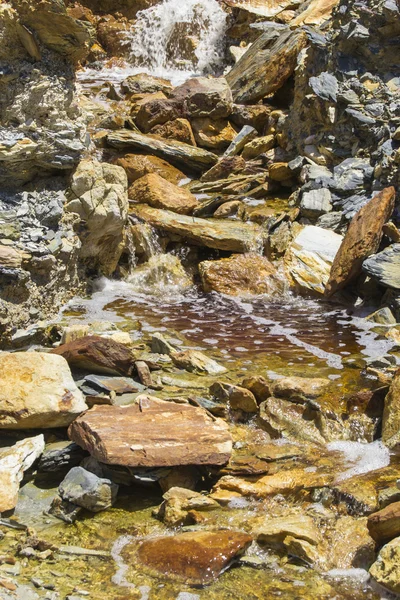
351,546
74,332
316,203
384,525
160,345
226,166
138,165
157,192
97,354
239,275
203,97
153,433
254,115
385,267
179,501
391,415
98,194
14,462
213,134
143,83
197,362
309,258
258,146
361,240
178,129
197,557
182,155
37,391
245,135
266,65
88,491
279,171
299,388
258,386
231,210
10,258
233,236
155,110
236,397
294,422
315,13
60,457
386,568
273,531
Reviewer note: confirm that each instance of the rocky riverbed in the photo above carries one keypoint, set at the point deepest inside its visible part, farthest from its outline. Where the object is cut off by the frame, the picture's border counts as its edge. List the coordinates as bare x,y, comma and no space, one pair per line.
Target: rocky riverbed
199,299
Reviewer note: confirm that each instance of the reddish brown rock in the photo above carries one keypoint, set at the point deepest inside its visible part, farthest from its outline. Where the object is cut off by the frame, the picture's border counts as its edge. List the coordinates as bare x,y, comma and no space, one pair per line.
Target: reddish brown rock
228,165
178,129
157,112
384,525
153,433
97,354
259,386
138,165
195,557
157,192
361,240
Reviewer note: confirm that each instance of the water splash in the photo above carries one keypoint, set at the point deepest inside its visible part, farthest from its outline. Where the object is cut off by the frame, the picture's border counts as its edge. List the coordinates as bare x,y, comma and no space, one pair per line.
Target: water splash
361,458
175,38
163,275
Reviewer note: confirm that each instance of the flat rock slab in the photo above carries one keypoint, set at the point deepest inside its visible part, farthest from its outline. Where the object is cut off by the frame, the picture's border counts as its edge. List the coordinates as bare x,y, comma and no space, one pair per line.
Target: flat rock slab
178,153
196,558
385,267
233,236
153,433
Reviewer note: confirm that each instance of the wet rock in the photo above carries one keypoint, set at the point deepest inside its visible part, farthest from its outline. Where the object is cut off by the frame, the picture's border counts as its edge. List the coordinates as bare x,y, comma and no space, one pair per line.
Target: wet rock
316,203
84,489
236,397
37,391
196,558
203,97
197,362
225,167
265,67
98,194
143,83
273,531
178,129
157,192
351,545
97,354
215,134
152,433
391,415
14,462
234,236
231,210
384,525
299,388
155,110
179,501
139,165
258,146
310,256
360,493
281,418
239,275
182,155
385,267
60,457
386,569
361,240
258,386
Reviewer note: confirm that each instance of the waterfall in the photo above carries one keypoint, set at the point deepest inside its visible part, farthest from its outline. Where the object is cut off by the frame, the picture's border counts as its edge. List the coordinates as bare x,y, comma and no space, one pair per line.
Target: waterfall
178,38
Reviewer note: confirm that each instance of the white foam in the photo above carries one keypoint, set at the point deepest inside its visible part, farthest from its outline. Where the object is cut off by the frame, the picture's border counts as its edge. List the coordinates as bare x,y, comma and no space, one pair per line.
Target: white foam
119,578
360,576
360,458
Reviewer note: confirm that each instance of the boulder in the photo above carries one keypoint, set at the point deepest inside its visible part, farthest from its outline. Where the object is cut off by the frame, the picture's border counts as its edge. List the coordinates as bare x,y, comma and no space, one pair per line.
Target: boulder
196,557
157,192
266,65
316,203
391,415
299,388
233,236
236,397
256,116
239,275
258,386
361,240
386,568
156,111
98,194
310,256
178,129
14,462
98,355
37,391
385,267
153,433
204,97
215,134
184,156
283,419
84,489
384,525
138,165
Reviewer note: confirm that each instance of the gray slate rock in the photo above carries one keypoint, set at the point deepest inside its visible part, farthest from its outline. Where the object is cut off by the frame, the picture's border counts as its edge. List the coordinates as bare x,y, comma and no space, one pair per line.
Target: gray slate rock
87,490
60,457
325,86
385,267
316,203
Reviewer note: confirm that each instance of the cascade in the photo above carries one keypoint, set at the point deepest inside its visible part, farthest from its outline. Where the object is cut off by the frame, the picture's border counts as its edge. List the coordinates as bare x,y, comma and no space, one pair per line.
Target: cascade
175,38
